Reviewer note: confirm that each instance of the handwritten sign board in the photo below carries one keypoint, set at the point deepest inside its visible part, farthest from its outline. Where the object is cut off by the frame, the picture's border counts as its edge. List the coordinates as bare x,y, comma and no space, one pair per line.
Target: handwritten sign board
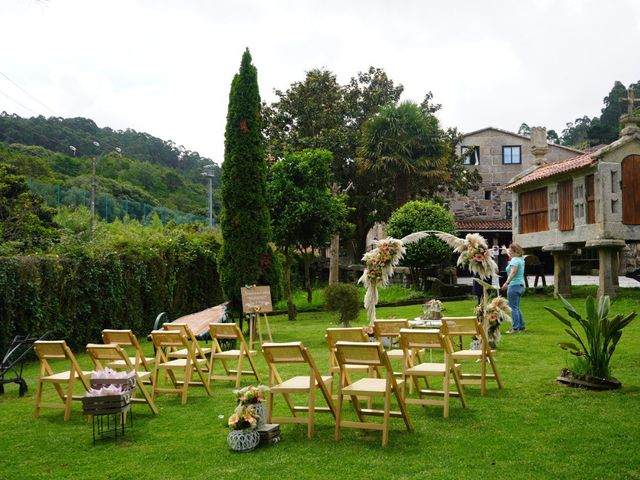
256,298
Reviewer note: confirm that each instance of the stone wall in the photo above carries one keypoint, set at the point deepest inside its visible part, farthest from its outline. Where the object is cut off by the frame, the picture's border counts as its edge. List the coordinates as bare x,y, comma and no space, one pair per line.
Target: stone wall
495,174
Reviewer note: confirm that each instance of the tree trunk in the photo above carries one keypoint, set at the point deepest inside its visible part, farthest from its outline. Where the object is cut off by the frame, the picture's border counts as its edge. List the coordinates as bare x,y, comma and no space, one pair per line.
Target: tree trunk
307,275
291,307
334,260
402,195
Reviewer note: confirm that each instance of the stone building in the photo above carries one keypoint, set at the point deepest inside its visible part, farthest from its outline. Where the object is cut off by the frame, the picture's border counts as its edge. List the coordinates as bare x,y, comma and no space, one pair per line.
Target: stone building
590,201
498,155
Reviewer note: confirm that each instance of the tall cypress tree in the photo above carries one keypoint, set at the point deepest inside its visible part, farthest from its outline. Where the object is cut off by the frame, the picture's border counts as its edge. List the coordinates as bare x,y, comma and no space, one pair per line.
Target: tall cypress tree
245,257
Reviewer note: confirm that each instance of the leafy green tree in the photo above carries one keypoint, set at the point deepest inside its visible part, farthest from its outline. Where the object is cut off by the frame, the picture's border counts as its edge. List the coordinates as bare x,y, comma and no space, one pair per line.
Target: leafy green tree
344,299
576,134
405,145
245,257
320,113
26,224
552,136
303,210
430,254
524,129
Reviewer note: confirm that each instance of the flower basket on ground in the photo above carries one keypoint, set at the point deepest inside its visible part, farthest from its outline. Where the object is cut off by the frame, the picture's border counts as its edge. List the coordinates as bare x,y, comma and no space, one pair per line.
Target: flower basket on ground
254,397
243,436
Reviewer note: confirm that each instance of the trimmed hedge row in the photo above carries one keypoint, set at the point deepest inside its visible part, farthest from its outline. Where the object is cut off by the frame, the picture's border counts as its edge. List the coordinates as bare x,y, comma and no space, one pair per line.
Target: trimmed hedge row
77,297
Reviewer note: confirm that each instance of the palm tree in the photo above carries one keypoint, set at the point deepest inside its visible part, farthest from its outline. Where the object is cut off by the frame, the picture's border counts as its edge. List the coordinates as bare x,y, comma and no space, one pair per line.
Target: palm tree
406,144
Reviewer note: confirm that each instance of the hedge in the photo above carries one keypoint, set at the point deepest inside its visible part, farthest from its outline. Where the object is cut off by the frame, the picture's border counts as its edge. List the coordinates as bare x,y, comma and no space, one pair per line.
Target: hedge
77,297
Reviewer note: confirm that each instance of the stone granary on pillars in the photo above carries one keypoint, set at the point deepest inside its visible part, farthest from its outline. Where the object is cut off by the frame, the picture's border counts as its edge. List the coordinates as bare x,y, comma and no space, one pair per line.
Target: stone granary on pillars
588,201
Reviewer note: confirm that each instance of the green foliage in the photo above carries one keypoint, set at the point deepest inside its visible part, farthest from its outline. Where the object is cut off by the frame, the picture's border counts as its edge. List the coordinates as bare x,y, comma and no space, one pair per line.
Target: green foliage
320,113
245,257
601,334
57,134
305,214
405,146
343,298
430,252
587,132
122,278
26,224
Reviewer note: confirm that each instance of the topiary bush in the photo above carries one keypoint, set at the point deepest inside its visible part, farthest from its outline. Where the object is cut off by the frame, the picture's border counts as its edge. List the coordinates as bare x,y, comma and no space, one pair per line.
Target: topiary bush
343,298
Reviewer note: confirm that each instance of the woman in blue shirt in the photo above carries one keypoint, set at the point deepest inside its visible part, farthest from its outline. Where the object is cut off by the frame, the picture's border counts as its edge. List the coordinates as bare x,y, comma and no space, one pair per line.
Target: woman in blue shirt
515,284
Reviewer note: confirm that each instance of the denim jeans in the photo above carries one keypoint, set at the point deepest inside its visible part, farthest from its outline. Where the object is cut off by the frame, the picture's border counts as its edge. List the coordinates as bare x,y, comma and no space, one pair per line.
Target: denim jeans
514,294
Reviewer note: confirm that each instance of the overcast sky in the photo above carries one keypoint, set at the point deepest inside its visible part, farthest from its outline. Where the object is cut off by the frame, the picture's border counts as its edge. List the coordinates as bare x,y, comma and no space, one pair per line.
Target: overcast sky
165,67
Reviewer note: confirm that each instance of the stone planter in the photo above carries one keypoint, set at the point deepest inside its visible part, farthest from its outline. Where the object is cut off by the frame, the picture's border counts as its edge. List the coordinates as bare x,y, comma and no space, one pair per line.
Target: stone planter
243,440
571,379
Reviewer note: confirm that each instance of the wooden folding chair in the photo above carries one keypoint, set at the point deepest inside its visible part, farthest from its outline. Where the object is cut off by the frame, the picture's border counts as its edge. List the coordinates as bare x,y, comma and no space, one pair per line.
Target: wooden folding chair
230,331
202,353
372,355
470,327
412,342
130,344
388,332
167,341
296,353
52,350
113,353
335,335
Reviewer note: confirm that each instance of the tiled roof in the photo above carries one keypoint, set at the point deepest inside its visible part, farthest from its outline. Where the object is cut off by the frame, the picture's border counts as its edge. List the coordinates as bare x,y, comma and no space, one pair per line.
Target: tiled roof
482,225
552,169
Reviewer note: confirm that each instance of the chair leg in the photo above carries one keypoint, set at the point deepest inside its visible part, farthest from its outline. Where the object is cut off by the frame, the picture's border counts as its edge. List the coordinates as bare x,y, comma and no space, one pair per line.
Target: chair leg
339,412
67,404
445,388
385,422
483,376
459,386
239,370
185,386
38,399
494,367
270,407
312,409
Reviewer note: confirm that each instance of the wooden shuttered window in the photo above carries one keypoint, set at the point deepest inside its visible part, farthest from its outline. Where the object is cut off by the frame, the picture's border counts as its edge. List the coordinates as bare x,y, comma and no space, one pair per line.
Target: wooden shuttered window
631,190
565,205
534,211
591,198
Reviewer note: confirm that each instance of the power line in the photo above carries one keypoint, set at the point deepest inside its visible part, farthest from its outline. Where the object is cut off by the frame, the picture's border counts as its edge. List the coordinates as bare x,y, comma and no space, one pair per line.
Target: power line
16,101
28,94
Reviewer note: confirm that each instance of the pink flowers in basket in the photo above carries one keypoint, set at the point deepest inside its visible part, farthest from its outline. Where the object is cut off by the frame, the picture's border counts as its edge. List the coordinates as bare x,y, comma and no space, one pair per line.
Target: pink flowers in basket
244,418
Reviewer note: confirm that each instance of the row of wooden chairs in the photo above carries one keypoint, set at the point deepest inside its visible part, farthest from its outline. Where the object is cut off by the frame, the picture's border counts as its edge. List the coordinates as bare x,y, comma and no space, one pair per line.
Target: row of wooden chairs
351,353
179,358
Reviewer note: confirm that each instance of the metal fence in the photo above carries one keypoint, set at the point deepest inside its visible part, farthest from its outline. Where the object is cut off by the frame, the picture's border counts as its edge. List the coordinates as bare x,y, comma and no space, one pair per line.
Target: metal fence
108,207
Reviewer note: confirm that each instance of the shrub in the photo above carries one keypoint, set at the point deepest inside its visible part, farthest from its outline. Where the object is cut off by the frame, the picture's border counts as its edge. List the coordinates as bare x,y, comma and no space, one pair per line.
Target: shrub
343,298
601,334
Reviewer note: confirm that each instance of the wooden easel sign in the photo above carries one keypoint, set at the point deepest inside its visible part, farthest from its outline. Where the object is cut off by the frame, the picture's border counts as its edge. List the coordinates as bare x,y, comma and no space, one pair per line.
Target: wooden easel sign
256,302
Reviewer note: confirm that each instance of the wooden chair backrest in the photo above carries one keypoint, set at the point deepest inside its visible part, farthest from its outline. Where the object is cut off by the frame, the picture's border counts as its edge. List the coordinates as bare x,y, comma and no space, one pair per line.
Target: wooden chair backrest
106,353
163,339
181,327
124,338
225,331
57,350
389,328
52,349
292,352
462,326
414,338
370,354
335,335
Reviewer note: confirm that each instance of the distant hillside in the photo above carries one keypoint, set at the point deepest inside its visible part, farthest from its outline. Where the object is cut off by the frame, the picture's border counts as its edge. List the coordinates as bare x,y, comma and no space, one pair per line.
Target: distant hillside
118,175
57,134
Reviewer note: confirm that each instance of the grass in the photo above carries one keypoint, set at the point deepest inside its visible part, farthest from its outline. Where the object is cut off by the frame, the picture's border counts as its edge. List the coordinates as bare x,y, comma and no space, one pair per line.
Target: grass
533,428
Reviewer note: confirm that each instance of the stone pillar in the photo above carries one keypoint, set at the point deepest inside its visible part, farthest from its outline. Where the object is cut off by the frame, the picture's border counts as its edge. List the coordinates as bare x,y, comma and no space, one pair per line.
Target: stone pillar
561,268
609,264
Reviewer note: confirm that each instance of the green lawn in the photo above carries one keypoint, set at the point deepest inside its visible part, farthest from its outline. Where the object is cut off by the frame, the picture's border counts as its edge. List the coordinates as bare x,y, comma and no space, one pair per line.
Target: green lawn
533,428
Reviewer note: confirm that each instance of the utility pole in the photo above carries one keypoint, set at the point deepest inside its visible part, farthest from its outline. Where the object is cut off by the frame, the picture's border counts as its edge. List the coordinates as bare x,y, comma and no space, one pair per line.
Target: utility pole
207,173
94,184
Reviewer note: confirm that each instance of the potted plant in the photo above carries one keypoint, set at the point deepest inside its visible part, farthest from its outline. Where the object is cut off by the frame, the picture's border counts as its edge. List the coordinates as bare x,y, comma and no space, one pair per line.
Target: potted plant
432,310
595,346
